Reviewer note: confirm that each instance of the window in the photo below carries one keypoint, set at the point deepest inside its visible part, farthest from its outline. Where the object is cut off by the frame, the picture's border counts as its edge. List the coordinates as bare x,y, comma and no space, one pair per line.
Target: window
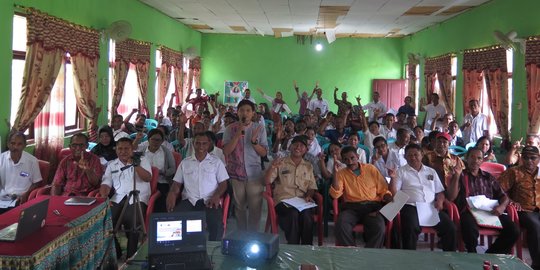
130,97
485,108
171,88
73,120
416,85
437,89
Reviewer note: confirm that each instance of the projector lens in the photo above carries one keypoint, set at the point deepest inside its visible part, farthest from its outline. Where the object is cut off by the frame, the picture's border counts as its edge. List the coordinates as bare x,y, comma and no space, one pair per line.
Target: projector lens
254,248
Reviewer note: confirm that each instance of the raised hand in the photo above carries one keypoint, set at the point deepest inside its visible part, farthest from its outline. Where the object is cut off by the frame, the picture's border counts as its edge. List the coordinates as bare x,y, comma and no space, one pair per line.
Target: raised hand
336,164
422,102
83,164
260,91
335,89
134,110
458,168
295,86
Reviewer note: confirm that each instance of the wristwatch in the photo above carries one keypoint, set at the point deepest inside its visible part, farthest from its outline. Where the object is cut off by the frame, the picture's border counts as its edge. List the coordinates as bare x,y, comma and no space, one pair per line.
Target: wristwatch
255,142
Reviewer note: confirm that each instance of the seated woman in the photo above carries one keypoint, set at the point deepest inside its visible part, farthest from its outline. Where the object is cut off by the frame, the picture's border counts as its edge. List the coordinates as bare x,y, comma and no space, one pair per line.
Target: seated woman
354,141
334,155
105,149
484,144
160,157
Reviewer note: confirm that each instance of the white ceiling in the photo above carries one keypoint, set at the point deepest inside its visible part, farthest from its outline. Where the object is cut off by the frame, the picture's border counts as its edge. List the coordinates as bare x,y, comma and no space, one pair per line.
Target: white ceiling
285,17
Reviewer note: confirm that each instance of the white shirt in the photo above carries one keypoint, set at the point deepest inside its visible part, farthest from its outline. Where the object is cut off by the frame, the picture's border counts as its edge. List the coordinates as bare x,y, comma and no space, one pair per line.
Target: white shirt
316,103
330,165
368,139
122,181
200,179
431,111
17,178
218,153
421,186
388,133
314,148
400,153
361,155
118,134
166,121
479,123
371,107
392,162
157,159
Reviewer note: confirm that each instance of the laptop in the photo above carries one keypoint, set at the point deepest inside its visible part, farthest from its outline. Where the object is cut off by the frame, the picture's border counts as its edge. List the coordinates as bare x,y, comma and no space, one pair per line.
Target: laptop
31,219
178,241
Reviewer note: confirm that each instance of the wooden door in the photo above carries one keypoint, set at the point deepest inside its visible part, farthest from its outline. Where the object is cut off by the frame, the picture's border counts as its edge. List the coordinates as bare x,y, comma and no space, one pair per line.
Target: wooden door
392,92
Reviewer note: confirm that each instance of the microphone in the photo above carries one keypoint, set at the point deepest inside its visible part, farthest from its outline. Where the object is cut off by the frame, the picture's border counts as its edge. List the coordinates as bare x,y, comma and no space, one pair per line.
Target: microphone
126,167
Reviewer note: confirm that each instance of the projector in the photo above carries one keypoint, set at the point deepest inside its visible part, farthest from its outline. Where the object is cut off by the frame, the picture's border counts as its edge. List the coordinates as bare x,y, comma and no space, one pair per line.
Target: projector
252,247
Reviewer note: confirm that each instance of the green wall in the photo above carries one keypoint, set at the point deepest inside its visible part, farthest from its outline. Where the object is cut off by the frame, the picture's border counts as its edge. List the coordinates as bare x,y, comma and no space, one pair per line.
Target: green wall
273,63
474,29
148,25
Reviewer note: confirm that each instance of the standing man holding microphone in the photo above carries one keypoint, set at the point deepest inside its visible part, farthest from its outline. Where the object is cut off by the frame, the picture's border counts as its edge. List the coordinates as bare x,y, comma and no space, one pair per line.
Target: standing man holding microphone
244,143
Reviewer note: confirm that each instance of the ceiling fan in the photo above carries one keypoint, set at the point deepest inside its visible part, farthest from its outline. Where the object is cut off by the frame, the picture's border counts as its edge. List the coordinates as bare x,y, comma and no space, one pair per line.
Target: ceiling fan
510,40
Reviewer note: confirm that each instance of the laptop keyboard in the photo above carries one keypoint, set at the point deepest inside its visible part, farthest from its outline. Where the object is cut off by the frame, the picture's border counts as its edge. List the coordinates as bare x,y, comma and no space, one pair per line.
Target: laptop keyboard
9,232
188,260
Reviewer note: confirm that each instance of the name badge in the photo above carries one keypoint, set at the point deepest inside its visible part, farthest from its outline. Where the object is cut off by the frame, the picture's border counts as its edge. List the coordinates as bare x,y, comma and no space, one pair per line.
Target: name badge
24,174
430,177
115,171
285,172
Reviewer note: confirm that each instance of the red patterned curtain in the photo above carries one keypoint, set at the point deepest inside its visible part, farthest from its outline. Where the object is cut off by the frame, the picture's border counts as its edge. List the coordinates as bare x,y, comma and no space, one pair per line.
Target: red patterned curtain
138,53
532,65
194,73
412,76
178,73
170,60
142,80
473,81
85,78
492,62
440,67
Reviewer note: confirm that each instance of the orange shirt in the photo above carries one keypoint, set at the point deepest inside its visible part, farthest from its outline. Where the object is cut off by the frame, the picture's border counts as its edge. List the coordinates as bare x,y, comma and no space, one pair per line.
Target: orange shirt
370,185
521,187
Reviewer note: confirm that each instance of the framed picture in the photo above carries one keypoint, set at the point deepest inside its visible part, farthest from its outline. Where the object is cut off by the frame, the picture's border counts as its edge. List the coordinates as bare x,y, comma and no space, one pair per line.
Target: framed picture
234,91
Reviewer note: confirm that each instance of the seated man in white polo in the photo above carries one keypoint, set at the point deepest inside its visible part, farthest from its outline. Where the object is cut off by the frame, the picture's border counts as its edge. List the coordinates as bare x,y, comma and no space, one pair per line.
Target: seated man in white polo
205,181
119,178
422,184
19,171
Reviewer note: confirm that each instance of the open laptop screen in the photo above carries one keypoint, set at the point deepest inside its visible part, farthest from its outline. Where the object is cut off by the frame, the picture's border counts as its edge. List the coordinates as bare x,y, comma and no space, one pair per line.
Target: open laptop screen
177,232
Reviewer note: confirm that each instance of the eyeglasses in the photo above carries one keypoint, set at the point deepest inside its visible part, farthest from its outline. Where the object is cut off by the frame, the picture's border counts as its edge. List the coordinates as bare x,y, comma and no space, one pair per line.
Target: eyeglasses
75,145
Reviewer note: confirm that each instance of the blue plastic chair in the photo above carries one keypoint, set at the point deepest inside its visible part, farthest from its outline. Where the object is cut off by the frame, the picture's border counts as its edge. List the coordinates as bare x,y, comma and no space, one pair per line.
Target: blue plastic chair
150,124
134,135
322,140
457,150
390,140
361,136
91,145
470,145
366,149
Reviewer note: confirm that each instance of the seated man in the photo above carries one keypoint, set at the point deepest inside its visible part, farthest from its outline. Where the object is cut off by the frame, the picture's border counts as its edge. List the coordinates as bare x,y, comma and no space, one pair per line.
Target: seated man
119,178
472,182
294,179
80,172
364,190
138,126
440,158
116,125
422,184
520,183
384,159
205,181
19,171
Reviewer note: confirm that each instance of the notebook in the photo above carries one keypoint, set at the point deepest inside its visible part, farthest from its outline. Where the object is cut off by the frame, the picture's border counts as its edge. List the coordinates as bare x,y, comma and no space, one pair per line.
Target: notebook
178,241
80,201
31,219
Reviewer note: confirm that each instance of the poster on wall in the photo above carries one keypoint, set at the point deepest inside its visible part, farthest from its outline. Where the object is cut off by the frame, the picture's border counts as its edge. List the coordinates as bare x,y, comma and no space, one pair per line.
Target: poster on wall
234,91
